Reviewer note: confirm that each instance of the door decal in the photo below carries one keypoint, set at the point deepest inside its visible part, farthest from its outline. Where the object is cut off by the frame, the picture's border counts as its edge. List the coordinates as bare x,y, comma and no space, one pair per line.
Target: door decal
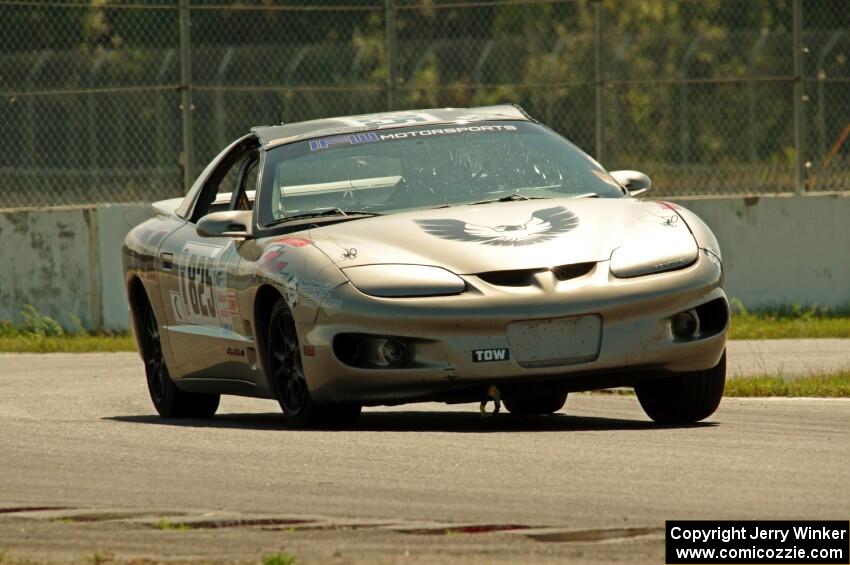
197,282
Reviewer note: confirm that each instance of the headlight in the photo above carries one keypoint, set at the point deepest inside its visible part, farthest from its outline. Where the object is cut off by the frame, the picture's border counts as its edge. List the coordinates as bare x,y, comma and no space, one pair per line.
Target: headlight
398,281
654,255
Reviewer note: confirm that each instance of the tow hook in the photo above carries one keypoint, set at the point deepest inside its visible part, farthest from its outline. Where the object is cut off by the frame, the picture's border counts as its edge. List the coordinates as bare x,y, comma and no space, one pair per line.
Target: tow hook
494,395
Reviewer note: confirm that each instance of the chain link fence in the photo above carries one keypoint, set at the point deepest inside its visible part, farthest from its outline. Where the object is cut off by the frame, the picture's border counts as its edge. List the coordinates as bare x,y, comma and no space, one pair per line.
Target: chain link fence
126,100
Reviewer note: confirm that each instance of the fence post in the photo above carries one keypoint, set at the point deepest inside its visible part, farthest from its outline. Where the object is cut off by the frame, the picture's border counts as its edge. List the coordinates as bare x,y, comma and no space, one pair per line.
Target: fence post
391,47
186,96
799,110
599,72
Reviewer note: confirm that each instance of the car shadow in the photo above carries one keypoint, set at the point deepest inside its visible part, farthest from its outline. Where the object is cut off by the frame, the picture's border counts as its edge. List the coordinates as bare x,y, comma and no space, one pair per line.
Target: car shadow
425,421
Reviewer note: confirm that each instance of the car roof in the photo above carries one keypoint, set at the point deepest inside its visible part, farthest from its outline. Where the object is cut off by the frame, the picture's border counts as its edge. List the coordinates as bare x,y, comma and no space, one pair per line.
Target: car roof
272,136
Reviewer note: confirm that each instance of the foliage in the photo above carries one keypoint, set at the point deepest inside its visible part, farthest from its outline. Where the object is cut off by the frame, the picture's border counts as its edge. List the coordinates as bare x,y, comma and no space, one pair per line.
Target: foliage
689,85
99,557
34,324
39,334
279,559
42,334
166,524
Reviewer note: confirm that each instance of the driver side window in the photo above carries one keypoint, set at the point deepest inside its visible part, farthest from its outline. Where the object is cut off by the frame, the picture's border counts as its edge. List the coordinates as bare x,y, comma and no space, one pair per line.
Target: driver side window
248,184
231,186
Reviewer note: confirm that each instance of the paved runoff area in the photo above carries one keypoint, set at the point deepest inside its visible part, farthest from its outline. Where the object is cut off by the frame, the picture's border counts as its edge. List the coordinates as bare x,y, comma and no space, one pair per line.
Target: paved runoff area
787,357
88,472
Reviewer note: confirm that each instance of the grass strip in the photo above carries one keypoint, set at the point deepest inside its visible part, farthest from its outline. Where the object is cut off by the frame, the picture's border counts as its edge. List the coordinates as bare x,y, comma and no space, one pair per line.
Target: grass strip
36,333
746,325
66,343
782,326
831,385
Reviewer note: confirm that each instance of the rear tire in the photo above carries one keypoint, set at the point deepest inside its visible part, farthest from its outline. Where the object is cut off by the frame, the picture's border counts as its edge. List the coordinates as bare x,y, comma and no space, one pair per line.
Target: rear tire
286,374
536,405
683,398
169,401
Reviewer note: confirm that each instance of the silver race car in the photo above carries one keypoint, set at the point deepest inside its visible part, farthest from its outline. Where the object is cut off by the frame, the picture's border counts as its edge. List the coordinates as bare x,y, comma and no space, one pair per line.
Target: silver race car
452,255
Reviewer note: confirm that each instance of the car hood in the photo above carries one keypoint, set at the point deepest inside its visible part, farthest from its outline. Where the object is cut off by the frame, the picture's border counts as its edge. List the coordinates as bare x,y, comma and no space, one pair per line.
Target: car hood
527,234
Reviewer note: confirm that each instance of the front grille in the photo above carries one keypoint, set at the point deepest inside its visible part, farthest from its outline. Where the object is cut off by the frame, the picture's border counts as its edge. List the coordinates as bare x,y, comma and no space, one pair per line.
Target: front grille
518,277
525,277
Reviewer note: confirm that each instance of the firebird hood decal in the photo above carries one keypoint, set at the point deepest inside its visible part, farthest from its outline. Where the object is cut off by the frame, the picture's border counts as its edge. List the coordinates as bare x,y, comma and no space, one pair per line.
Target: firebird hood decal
526,234
543,225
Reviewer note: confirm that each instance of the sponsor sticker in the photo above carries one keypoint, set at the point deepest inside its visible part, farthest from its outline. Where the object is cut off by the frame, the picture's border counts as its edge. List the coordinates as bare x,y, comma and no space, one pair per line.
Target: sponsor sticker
444,131
272,259
351,139
290,289
293,241
315,290
372,137
227,305
386,120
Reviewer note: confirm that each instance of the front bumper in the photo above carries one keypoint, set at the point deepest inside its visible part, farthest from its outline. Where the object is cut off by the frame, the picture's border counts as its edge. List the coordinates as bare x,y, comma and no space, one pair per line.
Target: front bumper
636,336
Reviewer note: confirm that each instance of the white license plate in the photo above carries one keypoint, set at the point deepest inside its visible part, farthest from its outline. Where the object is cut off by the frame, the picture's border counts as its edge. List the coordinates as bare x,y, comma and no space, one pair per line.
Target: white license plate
557,341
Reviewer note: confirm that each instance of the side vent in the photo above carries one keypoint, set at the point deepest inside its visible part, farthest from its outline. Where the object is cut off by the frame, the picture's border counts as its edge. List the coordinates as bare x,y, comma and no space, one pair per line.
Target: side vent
567,272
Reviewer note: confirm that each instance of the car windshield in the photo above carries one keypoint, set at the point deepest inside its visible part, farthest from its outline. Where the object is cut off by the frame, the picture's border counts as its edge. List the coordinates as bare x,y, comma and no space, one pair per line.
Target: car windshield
385,171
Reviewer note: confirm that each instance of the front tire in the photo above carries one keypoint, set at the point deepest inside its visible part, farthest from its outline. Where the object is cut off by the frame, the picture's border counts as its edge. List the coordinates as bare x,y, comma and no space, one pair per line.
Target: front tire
683,398
169,401
536,405
286,372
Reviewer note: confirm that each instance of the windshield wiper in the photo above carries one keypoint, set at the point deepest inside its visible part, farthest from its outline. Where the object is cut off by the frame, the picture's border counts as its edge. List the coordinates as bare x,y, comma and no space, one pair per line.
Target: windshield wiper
586,195
508,198
323,213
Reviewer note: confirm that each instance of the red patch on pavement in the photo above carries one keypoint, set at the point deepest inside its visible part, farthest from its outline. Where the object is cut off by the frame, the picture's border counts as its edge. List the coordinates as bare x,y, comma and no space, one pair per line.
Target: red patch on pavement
474,529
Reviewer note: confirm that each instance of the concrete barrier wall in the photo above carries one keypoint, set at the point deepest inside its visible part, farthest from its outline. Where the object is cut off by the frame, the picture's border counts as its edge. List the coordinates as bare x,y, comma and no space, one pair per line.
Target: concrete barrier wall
113,223
46,260
67,263
781,251
777,251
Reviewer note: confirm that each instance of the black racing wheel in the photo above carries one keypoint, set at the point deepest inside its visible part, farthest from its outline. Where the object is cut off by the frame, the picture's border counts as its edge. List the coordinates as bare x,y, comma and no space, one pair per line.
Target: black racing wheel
683,398
286,372
169,401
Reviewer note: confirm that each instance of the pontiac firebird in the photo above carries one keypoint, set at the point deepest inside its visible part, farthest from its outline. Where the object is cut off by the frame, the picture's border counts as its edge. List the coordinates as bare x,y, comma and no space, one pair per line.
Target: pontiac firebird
438,255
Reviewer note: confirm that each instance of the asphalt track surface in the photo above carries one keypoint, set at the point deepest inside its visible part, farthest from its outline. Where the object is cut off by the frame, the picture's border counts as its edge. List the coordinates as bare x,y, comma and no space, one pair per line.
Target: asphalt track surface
410,484
787,357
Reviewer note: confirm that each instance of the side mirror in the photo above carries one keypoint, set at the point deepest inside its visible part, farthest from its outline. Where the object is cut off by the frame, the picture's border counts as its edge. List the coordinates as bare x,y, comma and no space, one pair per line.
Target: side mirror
635,182
231,223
